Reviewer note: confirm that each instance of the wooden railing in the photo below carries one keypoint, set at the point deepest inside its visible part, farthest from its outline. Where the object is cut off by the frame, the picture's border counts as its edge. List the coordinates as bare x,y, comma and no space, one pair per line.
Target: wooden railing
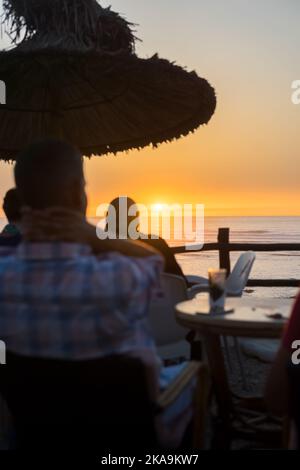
225,247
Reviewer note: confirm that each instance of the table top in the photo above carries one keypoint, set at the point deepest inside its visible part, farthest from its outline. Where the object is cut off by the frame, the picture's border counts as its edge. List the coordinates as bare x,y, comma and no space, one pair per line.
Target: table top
248,316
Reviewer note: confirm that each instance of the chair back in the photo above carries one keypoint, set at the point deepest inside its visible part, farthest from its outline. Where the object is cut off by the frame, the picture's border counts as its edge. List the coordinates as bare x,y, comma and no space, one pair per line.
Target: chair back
163,322
239,276
90,404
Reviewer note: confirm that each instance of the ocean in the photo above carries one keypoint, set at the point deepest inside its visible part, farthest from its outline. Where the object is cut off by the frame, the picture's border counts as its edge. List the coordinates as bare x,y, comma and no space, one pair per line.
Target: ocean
253,230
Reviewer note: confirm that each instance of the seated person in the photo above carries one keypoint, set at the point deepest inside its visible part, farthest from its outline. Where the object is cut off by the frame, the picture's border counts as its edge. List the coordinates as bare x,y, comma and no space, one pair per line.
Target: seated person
11,234
65,294
278,391
171,265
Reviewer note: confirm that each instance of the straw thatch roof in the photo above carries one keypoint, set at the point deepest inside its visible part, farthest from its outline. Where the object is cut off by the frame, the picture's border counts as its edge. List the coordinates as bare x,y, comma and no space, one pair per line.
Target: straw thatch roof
69,24
74,74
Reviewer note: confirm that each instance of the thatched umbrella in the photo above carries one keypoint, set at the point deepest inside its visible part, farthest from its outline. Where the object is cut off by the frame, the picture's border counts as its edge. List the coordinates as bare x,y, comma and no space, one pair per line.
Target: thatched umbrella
73,73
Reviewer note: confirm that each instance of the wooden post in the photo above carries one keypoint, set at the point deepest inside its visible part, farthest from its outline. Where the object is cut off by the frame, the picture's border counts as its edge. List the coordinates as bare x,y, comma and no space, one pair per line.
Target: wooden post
224,252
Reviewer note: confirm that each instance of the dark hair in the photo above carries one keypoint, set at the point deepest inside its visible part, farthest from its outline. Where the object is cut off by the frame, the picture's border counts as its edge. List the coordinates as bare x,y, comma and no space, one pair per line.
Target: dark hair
116,204
45,172
12,206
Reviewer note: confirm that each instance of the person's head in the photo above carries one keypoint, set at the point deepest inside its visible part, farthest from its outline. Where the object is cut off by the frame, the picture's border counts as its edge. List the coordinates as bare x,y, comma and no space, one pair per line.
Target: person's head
12,206
49,173
122,205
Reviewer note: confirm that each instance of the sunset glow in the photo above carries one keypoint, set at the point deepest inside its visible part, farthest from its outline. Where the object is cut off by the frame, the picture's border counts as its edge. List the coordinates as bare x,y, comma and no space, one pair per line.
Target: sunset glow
157,207
246,161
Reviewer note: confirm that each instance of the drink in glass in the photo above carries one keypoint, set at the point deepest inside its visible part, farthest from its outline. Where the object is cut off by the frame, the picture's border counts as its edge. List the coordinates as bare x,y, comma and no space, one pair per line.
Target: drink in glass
217,293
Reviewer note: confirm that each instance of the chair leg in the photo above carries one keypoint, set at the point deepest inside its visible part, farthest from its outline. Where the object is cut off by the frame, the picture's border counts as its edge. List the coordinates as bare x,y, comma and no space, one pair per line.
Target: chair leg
227,352
201,405
240,361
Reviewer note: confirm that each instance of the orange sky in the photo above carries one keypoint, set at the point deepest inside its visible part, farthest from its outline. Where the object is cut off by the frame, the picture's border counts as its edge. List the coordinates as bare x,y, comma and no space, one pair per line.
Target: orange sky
247,160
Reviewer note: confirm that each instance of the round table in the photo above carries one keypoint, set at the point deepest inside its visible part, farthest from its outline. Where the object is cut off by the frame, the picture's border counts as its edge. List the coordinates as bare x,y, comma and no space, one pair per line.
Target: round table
248,317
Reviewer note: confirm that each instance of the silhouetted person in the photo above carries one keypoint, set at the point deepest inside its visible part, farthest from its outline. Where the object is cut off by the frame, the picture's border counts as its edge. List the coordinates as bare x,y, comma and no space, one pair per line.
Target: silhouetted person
65,294
11,234
46,310
171,265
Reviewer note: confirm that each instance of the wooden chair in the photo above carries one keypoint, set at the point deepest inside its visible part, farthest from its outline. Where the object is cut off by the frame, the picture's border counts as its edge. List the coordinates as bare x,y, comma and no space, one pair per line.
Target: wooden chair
93,404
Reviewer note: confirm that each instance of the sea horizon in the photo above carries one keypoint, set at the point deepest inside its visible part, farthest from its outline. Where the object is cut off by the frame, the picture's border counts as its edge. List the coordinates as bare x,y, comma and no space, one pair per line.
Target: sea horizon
244,229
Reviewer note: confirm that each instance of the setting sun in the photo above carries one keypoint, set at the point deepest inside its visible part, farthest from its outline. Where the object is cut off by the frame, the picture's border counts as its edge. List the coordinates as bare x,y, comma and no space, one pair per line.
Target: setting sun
158,207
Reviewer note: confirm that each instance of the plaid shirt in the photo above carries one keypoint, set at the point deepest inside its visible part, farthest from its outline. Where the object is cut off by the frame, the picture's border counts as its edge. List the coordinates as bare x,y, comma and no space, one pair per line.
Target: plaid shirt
59,300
